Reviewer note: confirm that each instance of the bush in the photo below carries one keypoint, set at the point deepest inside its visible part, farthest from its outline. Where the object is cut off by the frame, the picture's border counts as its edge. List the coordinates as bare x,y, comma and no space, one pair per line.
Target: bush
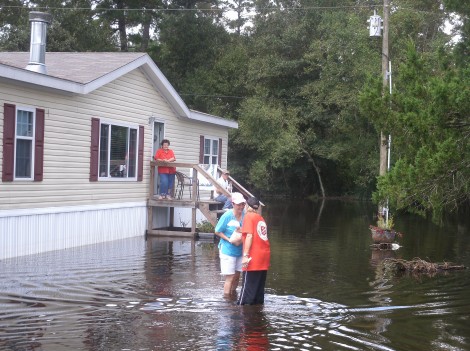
205,227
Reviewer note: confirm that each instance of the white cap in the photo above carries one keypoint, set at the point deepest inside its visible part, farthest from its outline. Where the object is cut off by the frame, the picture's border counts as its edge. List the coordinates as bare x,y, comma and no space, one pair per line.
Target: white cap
238,198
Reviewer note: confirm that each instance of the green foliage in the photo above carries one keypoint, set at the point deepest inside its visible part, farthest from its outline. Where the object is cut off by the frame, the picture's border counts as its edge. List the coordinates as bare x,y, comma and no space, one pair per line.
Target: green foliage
386,224
14,26
305,84
461,28
74,27
188,44
205,227
218,88
430,125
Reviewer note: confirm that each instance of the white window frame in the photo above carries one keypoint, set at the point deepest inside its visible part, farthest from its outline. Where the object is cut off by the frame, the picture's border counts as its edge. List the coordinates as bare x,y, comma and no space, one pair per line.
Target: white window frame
210,167
31,138
125,125
210,154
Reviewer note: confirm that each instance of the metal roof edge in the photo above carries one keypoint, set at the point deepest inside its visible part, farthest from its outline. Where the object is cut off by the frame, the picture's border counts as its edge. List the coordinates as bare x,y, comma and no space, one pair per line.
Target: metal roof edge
40,79
204,117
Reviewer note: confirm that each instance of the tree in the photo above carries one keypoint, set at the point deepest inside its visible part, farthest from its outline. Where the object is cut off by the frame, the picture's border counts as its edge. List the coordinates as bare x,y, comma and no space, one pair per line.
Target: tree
14,26
241,8
133,20
461,28
74,27
308,67
187,45
430,123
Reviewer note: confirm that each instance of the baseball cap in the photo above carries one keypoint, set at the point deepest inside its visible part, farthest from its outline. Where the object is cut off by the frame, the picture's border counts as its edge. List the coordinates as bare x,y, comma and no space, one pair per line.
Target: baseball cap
253,202
238,198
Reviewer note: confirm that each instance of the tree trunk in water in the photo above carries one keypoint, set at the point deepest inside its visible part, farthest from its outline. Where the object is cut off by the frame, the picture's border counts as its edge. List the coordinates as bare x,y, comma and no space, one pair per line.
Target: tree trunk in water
317,170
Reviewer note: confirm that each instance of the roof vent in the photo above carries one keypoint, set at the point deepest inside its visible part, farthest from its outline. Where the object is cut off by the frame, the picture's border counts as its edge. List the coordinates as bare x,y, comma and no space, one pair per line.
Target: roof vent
37,52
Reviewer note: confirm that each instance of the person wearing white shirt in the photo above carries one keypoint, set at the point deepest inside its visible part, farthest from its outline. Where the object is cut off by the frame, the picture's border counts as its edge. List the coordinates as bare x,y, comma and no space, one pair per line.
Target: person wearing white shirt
223,181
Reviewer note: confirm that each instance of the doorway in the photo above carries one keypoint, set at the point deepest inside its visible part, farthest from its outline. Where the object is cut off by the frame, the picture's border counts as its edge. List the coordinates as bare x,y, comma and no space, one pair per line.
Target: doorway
158,136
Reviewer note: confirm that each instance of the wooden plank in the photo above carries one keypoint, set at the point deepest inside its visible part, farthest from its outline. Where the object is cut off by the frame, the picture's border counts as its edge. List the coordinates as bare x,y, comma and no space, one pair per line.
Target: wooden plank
151,182
171,203
210,215
193,220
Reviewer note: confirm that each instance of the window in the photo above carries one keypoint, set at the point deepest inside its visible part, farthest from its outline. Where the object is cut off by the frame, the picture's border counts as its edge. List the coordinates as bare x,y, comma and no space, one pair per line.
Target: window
117,151
210,157
211,151
24,142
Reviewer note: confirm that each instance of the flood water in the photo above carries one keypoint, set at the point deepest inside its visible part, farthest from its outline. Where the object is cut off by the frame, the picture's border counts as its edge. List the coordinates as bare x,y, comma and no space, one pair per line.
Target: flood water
324,291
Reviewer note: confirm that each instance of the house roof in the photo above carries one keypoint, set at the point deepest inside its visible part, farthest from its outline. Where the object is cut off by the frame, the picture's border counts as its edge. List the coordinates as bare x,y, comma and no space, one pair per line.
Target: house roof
83,72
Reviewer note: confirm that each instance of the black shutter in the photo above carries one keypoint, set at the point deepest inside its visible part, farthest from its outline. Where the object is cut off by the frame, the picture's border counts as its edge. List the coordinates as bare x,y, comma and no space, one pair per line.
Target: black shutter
220,152
201,149
140,168
9,112
94,149
39,146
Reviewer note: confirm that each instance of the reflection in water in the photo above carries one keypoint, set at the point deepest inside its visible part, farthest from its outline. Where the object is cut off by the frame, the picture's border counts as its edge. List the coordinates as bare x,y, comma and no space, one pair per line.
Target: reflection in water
382,287
324,292
254,333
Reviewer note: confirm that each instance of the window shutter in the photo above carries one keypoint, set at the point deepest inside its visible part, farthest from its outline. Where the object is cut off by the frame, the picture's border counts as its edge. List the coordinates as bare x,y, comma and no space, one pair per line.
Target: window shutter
140,167
39,146
220,152
9,112
94,149
201,149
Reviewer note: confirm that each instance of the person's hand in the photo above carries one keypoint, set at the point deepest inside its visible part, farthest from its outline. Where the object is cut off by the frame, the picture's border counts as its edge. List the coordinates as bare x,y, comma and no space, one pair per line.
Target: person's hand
245,261
236,238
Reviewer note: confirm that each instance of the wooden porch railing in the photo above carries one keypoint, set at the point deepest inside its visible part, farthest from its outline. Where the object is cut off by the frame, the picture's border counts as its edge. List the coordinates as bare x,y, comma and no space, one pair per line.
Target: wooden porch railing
196,168
194,201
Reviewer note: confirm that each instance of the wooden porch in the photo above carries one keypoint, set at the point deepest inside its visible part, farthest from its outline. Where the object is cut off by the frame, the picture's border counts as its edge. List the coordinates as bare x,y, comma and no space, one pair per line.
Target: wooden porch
187,194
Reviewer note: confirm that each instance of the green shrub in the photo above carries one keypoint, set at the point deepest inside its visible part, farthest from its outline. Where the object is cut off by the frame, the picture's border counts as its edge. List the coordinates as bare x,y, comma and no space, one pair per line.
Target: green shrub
205,227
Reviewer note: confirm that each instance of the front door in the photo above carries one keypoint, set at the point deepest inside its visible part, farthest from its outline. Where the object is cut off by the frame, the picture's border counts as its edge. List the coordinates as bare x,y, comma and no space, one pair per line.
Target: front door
158,135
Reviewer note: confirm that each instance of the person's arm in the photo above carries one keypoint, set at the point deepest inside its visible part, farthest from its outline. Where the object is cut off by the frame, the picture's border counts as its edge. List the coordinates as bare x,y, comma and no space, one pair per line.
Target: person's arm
172,158
246,249
158,156
221,226
222,236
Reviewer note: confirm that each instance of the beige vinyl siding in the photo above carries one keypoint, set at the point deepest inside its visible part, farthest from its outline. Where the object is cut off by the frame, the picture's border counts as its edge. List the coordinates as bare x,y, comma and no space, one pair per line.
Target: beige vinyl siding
130,99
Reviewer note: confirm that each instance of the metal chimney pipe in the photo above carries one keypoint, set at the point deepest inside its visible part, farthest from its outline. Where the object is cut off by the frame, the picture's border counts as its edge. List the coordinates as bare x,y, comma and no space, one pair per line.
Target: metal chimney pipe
37,52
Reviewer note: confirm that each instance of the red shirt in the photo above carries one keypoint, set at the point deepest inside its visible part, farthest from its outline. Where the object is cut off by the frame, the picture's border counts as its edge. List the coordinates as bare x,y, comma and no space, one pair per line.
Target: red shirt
161,154
260,251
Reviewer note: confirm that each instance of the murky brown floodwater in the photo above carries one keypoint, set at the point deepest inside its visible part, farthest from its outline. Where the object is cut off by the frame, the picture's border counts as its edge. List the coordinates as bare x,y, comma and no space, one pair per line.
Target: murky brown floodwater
323,291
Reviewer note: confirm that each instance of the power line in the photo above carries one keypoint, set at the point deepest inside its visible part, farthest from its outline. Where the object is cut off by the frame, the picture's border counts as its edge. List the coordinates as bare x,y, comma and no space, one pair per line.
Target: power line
307,8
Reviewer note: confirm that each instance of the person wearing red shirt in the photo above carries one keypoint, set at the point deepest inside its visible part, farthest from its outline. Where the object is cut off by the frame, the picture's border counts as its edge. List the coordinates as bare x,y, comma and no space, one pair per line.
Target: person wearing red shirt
166,173
256,255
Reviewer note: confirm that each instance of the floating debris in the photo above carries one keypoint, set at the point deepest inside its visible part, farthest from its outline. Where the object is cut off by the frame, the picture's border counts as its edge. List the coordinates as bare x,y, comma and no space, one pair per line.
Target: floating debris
417,265
386,246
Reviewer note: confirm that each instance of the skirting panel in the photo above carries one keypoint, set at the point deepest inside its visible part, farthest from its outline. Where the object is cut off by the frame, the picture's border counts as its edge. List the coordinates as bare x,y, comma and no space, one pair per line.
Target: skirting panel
36,231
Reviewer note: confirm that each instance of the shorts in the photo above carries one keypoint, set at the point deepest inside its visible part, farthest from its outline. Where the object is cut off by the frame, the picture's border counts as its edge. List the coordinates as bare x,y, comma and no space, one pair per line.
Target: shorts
230,264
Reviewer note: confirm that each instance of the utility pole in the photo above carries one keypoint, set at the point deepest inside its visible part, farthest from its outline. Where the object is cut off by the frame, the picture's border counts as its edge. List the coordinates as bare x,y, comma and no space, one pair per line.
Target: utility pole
376,25
385,76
